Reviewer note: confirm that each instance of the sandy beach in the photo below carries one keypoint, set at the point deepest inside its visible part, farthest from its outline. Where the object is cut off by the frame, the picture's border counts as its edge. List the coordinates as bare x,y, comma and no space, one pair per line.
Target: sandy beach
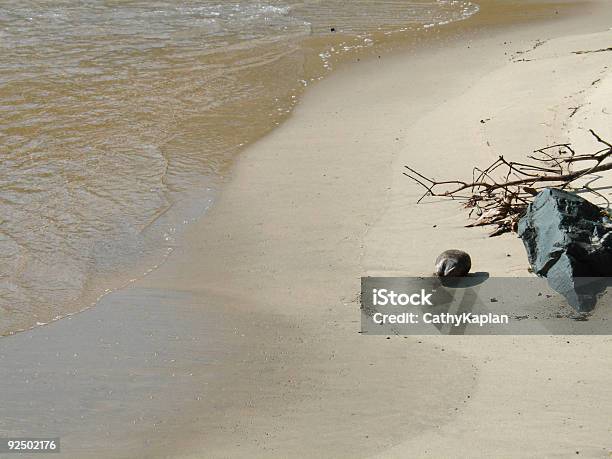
245,342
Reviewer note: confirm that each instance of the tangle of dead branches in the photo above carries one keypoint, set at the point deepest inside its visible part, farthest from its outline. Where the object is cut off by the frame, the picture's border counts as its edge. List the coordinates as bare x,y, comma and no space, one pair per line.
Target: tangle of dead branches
499,194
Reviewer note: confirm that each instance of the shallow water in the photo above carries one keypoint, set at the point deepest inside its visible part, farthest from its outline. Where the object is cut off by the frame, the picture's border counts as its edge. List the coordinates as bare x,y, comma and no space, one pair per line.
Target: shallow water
119,120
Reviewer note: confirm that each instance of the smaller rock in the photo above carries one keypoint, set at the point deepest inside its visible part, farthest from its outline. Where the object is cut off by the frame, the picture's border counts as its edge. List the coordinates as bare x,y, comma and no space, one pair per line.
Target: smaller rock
453,263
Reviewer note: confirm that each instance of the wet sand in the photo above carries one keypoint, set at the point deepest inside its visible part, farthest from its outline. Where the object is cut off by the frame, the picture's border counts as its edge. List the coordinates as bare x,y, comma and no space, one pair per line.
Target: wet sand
245,342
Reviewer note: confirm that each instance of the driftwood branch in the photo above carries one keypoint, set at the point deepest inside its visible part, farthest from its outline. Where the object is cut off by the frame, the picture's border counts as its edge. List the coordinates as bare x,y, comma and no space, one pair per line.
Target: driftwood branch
499,194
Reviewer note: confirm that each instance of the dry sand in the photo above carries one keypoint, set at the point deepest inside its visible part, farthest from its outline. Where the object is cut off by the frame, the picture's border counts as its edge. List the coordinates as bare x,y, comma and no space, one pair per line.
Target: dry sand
256,318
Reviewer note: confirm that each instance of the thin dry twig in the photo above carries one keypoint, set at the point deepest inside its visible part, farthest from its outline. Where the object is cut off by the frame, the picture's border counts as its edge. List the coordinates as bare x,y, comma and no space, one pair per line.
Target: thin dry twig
589,51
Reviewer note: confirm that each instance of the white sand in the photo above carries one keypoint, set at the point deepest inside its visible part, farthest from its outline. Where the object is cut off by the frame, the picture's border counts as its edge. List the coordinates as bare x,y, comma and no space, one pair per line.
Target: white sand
534,396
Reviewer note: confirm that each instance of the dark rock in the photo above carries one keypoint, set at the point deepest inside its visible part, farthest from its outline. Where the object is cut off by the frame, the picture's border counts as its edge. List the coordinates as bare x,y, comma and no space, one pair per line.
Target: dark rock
453,263
568,241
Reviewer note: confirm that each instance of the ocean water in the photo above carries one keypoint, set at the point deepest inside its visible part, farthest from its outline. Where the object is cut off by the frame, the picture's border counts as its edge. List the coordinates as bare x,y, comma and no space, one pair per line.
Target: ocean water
119,121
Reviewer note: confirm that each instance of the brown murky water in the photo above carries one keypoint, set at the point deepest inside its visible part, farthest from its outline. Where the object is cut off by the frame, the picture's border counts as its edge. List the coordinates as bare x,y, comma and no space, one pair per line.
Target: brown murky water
119,119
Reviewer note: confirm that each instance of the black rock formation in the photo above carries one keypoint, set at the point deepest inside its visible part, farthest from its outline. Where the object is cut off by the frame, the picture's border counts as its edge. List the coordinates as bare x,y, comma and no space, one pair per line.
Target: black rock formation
568,241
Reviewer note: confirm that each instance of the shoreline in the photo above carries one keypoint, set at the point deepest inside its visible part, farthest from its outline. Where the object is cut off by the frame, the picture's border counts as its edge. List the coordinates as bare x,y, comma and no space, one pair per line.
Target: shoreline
157,238
134,255
183,210
311,207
